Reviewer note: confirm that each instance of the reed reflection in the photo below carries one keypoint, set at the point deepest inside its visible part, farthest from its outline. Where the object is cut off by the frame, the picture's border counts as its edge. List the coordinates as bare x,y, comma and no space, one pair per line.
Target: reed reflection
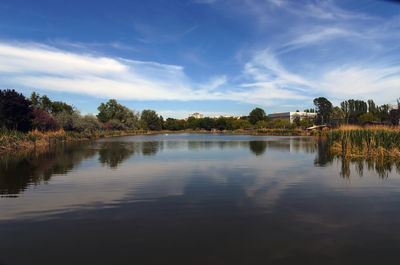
354,166
380,166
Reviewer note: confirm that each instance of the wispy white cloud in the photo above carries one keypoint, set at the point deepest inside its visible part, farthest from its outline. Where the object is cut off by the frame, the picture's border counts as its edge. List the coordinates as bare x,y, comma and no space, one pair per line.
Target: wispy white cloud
39,66
325,9
47,68
378,82
318,35
31,58
265,68
91,46
269,76
267,13
265,80
362,79
323,50
214,83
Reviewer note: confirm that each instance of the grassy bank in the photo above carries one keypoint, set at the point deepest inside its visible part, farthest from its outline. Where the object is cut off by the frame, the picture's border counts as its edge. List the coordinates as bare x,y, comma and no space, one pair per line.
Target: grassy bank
376,142
14,140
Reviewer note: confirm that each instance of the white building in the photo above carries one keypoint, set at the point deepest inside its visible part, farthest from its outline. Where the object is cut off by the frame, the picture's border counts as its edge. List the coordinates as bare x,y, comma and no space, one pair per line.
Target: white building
196,115
289,116
228,117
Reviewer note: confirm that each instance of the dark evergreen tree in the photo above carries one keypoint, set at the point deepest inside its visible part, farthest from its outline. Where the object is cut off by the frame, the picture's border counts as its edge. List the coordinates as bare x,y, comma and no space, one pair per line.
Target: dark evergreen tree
15,111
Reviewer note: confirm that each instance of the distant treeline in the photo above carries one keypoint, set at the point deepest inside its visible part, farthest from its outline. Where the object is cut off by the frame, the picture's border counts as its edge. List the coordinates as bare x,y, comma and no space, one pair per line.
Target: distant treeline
40,113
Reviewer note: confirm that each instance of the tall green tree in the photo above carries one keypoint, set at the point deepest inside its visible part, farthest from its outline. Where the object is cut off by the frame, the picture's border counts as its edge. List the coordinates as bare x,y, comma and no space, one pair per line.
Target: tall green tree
355,108
324,109
394,115
53,107
207,123
150,120
372,107
192,123
174,124
221,123
35,100
46,103
383,113
256,115
58,106
297,119
366,117
338,116
113,111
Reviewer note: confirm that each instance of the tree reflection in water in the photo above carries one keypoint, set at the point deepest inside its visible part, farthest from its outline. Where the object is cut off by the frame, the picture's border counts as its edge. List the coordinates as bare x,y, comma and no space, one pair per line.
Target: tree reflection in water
151,148
258,147
114,153
323,156
20,170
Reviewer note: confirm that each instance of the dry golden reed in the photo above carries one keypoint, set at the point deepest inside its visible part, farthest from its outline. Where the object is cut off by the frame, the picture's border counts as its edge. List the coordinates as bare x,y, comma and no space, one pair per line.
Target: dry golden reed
369,142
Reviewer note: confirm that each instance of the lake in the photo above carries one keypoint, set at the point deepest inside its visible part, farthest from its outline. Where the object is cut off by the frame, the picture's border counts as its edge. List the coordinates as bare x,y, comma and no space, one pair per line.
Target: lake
197,199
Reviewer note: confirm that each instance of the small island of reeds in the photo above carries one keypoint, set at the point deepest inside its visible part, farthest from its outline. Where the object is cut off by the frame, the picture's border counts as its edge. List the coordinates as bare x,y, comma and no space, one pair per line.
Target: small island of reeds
371,142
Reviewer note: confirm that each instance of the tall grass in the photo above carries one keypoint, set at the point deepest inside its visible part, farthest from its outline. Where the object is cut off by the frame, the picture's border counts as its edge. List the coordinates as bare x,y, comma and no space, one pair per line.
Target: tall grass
8,137
371,142
11,139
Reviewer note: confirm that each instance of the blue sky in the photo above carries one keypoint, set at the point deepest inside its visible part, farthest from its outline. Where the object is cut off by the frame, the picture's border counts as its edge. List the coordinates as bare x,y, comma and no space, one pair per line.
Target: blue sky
218,57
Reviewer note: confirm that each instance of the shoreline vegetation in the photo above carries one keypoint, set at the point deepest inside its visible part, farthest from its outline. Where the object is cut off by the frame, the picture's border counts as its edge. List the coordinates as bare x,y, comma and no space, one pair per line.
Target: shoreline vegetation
356,129
11,140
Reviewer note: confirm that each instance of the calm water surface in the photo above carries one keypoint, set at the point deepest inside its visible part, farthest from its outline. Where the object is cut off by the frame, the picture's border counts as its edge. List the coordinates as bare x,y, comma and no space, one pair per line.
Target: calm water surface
197,199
